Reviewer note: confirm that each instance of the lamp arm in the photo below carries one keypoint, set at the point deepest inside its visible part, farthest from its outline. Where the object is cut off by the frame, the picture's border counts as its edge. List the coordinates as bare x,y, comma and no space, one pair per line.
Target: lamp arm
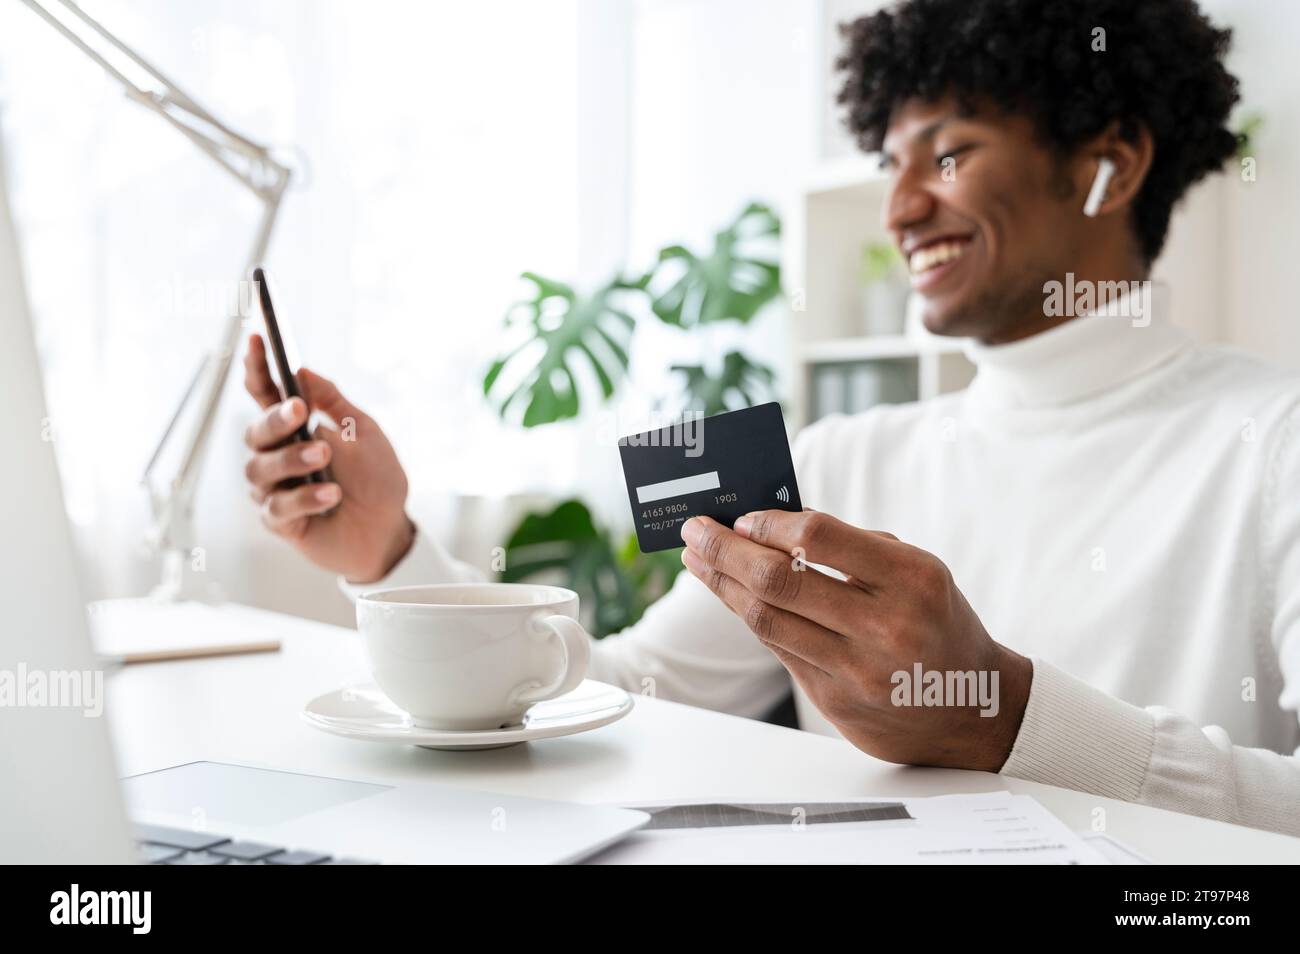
257,170
222,358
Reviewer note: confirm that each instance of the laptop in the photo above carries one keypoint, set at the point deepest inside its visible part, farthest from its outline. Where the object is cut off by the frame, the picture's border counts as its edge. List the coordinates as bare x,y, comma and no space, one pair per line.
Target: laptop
62,801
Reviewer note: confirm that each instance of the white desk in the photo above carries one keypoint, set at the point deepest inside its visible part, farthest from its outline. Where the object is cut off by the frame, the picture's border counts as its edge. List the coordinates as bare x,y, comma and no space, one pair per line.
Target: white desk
246,709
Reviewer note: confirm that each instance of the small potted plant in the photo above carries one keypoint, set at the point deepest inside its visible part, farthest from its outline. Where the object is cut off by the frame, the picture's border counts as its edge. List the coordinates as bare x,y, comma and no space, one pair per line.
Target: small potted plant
884,289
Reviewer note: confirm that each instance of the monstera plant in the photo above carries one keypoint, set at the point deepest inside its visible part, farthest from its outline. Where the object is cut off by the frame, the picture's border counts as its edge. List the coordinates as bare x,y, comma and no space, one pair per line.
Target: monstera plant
731,283
567,349
561,328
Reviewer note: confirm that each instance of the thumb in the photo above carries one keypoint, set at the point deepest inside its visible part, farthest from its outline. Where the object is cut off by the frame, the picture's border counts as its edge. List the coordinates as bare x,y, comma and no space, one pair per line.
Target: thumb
323,395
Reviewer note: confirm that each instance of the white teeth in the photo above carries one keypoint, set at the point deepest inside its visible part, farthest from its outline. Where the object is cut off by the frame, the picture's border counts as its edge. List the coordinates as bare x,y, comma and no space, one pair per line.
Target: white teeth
922,260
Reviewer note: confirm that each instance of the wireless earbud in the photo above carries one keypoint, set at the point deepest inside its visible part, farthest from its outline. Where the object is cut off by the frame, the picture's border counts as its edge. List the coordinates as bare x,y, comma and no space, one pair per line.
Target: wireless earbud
1105,169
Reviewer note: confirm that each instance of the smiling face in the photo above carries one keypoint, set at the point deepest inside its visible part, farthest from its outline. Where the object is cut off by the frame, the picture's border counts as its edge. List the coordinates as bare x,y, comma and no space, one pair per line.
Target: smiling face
984,215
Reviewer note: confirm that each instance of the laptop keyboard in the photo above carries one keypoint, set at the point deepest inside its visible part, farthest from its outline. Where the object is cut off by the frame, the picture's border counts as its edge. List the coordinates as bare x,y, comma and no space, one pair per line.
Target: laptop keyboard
158,845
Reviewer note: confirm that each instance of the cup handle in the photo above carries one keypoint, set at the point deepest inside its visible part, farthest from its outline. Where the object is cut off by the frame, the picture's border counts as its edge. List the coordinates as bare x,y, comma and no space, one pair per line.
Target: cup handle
576,645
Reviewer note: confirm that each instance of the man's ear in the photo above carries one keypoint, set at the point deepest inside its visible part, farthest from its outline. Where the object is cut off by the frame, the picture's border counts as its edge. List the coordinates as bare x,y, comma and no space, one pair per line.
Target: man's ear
1131,159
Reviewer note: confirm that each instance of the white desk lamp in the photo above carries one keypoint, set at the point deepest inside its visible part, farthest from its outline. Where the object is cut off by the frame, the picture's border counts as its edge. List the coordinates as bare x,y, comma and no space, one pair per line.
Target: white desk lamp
172,532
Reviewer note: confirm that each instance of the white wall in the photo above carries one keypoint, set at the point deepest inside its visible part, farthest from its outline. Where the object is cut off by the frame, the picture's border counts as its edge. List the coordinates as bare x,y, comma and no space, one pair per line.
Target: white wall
723,111
1261,220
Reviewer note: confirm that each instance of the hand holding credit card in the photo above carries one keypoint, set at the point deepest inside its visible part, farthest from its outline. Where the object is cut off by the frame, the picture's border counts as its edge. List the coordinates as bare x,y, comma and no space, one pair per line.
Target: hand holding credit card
722,467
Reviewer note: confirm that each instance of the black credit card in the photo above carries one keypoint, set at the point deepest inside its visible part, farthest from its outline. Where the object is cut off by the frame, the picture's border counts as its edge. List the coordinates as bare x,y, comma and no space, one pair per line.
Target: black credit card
722,467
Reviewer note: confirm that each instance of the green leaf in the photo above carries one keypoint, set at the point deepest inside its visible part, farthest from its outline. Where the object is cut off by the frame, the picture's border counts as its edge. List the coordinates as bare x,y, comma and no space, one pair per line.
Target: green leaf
565,543
733,281
741,383
561,330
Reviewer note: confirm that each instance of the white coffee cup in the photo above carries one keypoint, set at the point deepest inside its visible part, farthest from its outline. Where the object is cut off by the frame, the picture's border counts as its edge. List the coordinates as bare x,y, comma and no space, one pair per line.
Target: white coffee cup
467,656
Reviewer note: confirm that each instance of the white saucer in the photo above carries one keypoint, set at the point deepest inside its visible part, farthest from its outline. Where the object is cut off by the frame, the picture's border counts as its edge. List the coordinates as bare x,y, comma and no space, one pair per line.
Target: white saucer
363,712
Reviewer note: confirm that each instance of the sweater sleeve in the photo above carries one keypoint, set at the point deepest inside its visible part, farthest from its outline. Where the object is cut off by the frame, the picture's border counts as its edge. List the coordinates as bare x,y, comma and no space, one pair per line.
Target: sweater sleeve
1078,737
688,647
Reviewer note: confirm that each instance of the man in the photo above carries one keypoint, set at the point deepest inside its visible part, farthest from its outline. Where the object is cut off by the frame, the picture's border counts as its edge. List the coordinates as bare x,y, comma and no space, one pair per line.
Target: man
1113,498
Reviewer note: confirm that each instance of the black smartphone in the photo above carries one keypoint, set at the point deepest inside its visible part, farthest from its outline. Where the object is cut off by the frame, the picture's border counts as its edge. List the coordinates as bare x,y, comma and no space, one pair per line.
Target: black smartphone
288,383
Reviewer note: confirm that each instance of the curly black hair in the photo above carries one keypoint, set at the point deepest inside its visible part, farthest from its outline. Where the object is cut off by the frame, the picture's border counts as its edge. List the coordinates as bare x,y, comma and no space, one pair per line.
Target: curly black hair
1162,68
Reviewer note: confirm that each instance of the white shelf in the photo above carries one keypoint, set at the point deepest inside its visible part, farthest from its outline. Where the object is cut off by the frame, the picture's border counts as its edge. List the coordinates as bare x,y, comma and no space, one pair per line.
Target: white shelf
867,348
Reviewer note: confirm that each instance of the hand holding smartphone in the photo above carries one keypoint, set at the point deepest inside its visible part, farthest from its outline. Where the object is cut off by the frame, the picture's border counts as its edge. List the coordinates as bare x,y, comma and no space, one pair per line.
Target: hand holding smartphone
288,383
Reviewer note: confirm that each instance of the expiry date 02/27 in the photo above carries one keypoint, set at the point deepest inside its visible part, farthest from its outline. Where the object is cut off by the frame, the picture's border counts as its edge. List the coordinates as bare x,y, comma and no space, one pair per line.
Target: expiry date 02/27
664,524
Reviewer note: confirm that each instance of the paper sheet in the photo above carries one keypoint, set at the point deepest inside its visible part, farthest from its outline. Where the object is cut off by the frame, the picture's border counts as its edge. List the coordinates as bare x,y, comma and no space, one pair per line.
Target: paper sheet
1114,852
985,828
129,627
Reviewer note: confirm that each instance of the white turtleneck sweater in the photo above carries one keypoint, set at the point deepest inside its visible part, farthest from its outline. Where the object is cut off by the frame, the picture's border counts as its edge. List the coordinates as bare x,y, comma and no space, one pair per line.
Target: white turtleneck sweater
1118,504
